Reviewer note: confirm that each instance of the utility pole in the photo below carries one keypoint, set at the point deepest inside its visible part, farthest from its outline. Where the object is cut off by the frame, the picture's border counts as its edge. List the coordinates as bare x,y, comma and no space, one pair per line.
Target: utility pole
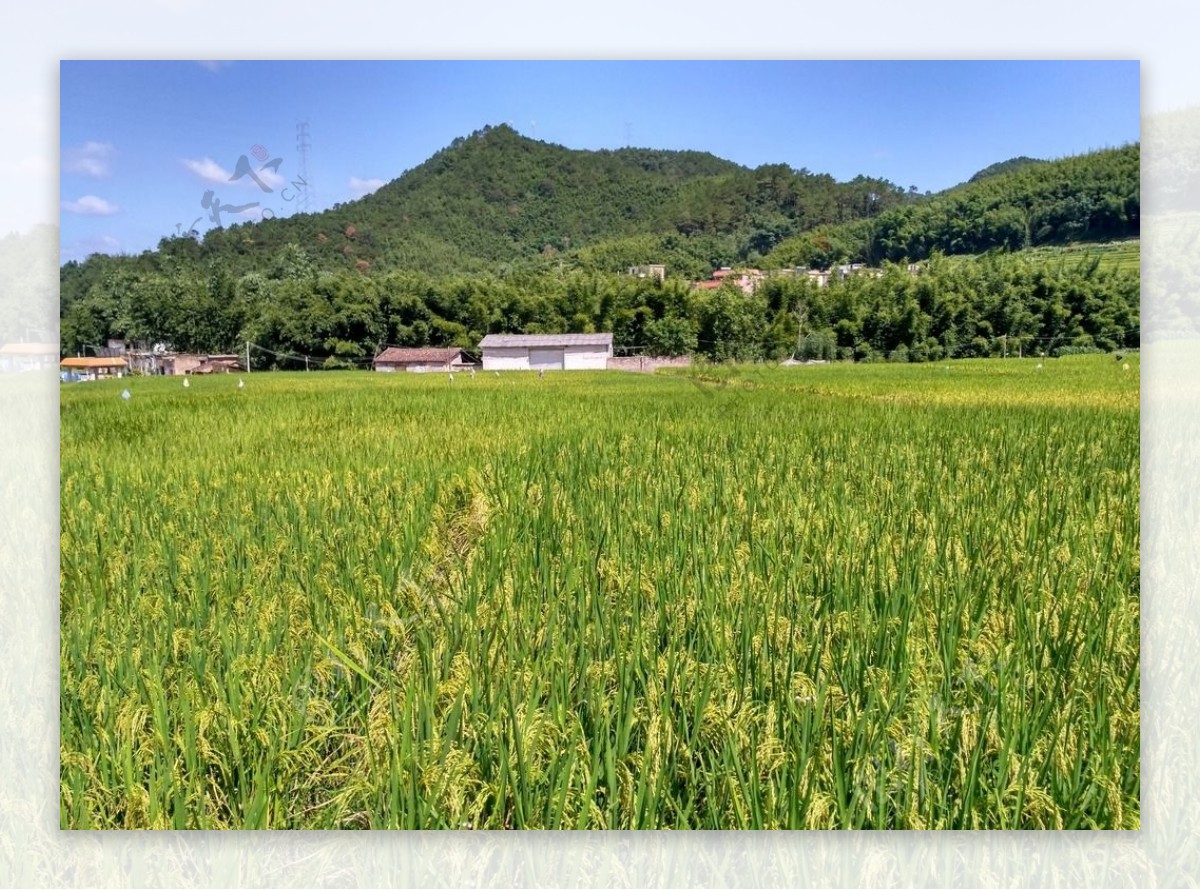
801,318
247,356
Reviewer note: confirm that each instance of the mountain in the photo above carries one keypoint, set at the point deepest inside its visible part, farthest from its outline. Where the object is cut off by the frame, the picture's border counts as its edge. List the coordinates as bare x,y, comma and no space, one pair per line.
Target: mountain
501,233
489,199
496,200
1004,167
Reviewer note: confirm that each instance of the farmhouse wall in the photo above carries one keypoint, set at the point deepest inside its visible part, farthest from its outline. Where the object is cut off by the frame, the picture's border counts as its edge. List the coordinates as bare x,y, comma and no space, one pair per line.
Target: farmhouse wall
506,358
585,358
648,363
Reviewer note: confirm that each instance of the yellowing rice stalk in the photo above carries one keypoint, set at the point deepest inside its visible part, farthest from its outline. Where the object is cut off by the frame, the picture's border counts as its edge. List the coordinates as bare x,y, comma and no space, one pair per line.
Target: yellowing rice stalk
834,597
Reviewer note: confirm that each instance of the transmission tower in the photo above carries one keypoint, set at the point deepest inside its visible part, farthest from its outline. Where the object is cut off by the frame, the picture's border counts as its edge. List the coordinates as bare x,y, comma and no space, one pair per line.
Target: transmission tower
303,145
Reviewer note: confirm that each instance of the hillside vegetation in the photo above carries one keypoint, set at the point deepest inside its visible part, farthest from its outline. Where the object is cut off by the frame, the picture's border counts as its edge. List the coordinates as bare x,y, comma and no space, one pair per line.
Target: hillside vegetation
500,233
1004,167
1092,197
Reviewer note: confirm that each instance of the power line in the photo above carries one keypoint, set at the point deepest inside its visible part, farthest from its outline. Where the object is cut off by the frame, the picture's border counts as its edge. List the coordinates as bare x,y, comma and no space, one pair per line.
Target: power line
307,359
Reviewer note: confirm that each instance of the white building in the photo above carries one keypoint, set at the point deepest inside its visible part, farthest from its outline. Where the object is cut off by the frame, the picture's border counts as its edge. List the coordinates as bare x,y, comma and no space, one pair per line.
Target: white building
546,352
656,271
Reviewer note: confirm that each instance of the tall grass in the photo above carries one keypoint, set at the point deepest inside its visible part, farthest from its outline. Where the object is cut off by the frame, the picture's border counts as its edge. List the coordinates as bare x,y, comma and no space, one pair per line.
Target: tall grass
901,597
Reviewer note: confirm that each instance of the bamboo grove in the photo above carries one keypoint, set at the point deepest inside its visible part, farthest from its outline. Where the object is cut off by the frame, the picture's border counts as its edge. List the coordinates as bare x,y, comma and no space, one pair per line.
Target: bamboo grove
954,307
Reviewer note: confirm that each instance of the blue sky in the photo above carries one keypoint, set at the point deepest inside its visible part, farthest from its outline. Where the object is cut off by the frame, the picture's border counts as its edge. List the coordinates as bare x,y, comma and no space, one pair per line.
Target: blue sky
142,142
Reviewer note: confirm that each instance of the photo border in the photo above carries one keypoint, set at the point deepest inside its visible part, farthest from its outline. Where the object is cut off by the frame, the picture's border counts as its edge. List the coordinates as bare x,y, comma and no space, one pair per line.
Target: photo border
34,852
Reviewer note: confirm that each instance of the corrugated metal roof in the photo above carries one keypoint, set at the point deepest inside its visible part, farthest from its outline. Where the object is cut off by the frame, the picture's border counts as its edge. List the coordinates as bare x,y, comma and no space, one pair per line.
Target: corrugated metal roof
502,340
398,354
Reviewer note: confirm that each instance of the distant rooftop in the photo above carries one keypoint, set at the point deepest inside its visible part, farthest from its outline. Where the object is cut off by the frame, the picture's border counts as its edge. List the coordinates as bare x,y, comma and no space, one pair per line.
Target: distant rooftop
89,362
501,340
425,354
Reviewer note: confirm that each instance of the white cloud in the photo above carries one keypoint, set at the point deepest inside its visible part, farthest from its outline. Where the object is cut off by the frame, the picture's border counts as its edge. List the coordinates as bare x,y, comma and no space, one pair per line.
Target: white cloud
214,65
210,171
91,159
365,186
90,205
270,177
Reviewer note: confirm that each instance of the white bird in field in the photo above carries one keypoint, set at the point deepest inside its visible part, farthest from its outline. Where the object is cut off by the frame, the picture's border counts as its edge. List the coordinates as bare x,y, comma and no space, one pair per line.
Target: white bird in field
1039,367
186,383
497,373
241,383
1125,366
125,395
472,373
541,373
451,378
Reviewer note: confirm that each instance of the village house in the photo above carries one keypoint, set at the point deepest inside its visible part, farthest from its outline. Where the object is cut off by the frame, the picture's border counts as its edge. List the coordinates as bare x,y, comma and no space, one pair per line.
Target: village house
217,364
158,359
143,361
179,363
93,367
396,358
158,362
653,270
546,352
747,280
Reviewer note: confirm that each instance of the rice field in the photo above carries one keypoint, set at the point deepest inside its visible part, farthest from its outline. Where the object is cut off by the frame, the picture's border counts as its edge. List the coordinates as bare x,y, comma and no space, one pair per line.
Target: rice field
1114,256
1121,257
895,596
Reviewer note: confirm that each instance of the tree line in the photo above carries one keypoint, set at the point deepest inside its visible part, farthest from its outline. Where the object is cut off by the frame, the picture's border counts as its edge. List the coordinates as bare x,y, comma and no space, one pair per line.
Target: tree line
954,307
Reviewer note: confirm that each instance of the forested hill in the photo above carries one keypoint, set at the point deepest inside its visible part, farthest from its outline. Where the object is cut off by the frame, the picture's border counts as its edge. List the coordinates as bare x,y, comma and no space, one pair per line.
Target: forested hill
501,233
485,203
499,197
497,200
1091,197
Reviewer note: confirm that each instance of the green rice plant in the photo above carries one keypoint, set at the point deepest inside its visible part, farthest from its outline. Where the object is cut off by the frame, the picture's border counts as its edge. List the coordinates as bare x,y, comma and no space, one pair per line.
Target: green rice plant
814,597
